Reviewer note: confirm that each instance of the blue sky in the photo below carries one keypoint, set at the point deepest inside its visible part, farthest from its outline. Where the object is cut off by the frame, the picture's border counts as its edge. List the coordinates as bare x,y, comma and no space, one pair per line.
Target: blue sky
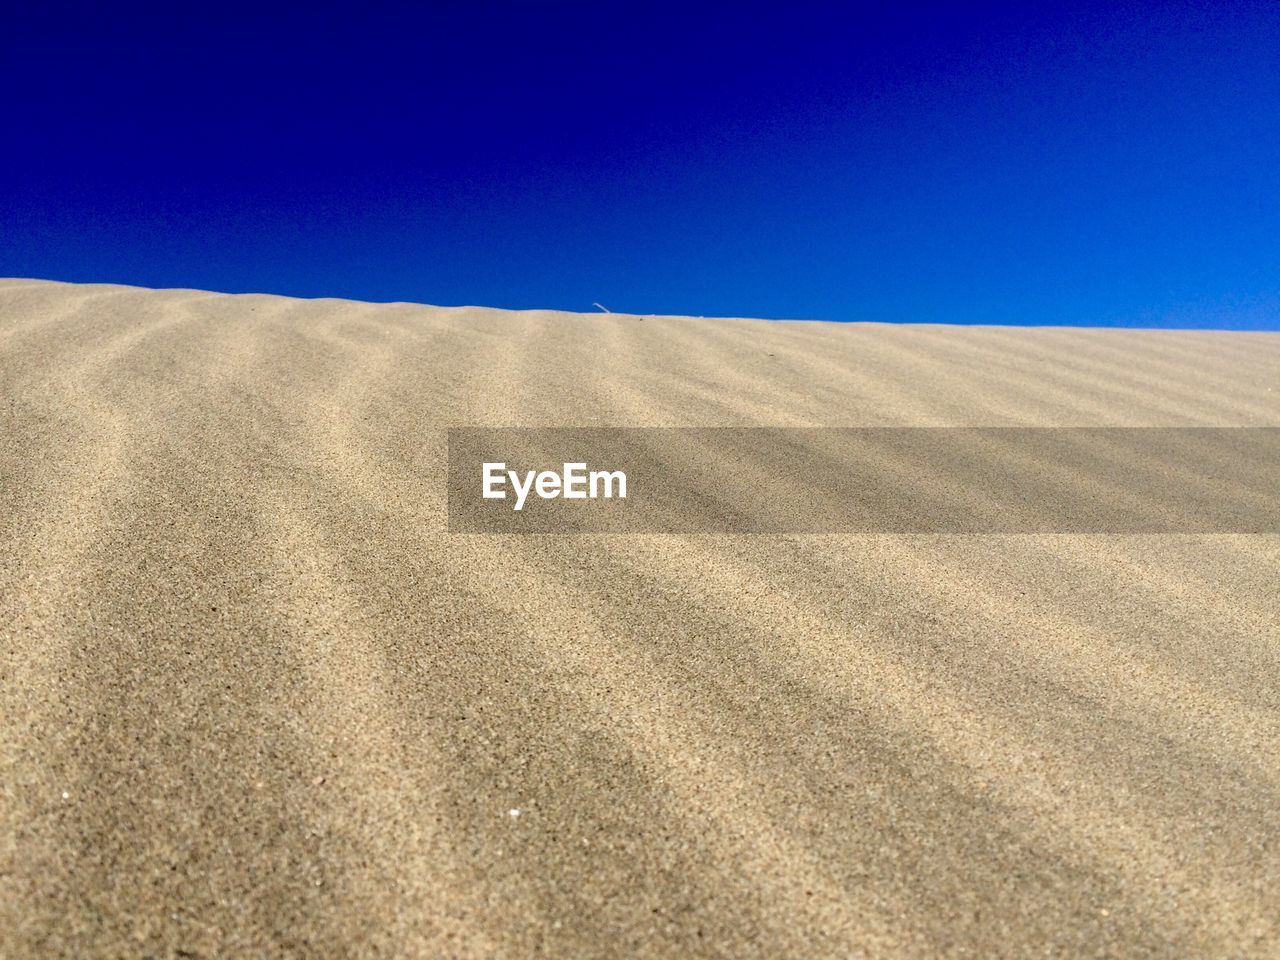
1098,165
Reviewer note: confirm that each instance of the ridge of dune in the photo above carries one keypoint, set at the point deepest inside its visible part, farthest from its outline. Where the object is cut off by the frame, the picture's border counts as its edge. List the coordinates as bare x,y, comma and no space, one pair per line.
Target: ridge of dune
255,700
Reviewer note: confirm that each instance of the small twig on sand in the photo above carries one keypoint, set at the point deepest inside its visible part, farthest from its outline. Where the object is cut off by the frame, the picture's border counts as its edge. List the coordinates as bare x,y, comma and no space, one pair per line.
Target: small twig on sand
602,307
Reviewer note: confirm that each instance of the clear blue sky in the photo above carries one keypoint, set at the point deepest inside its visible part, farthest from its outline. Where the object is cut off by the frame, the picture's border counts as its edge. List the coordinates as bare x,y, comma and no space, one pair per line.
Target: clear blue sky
1097,165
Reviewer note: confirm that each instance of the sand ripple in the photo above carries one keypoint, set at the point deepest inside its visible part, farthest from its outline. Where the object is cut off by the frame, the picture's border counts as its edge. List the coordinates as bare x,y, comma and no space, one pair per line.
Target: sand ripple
255,701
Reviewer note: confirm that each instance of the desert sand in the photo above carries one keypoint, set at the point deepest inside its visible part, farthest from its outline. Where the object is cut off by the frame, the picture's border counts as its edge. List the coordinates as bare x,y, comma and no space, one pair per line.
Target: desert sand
255,700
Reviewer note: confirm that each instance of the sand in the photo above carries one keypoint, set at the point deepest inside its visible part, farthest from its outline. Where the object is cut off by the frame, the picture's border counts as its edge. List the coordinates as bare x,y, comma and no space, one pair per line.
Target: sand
256,701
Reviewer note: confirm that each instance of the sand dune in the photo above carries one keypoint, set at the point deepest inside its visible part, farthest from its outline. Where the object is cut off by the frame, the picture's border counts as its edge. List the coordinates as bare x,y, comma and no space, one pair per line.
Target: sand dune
256,701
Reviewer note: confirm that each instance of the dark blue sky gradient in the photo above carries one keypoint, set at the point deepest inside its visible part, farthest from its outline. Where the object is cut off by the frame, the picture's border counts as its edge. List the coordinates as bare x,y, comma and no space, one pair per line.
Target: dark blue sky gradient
987,163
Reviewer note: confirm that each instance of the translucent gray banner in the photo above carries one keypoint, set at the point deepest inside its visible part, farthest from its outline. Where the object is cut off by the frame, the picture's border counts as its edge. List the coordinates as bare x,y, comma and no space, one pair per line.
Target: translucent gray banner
865,480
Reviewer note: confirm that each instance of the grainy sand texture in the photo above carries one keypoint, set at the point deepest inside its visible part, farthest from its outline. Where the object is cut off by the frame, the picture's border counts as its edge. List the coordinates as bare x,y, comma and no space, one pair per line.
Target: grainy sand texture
255,701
